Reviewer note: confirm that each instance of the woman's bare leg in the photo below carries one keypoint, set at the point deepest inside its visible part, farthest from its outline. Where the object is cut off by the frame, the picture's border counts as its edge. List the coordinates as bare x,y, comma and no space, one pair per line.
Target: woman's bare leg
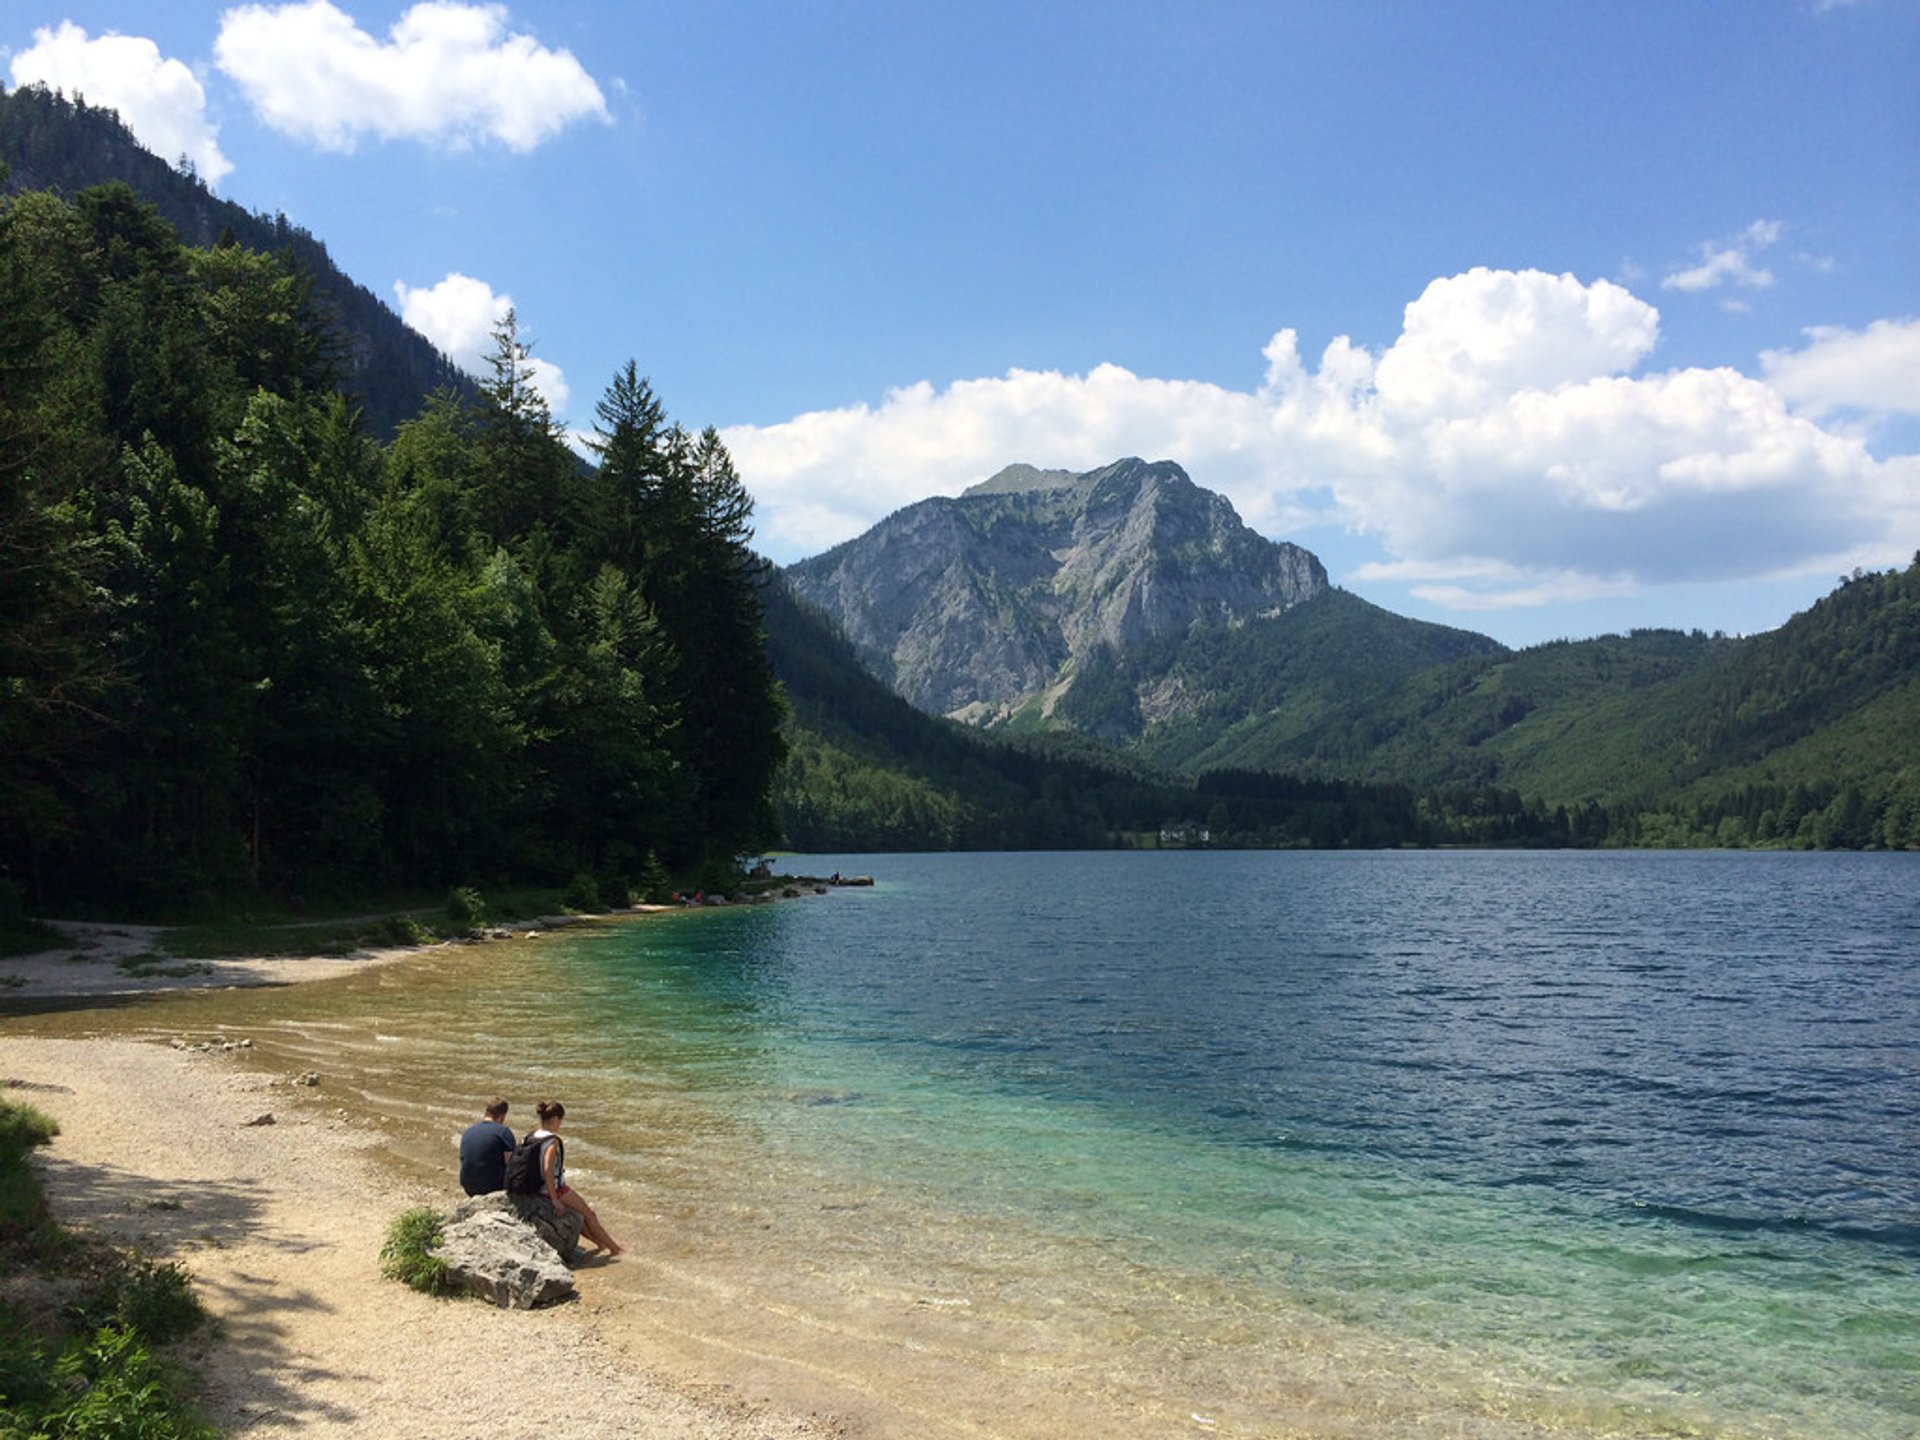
590,1223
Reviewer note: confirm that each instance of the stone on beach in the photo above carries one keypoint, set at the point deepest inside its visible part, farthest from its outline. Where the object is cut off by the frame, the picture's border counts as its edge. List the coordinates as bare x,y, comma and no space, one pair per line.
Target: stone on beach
503,1258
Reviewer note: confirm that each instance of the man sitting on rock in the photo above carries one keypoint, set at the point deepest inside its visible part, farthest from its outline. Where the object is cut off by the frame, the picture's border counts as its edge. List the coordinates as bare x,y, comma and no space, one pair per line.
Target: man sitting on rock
483,1151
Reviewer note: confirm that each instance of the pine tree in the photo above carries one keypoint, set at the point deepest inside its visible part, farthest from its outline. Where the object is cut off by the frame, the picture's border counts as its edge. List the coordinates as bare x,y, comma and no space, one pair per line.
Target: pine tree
524,471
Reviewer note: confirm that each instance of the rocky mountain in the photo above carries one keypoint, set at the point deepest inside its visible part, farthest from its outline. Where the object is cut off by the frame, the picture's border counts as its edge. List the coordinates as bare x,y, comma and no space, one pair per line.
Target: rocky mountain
985,606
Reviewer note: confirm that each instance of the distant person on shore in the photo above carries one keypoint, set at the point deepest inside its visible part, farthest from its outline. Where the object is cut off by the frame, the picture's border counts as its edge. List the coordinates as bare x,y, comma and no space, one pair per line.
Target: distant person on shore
553,1174
484,1148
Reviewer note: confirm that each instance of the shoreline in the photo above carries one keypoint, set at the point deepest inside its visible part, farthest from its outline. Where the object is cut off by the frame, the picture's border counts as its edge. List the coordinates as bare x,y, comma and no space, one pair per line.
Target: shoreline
280,1225
101,960
164,1148
113,960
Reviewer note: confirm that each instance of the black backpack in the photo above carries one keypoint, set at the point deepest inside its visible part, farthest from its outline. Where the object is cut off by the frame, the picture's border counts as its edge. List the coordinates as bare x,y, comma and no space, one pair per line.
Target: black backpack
524,1175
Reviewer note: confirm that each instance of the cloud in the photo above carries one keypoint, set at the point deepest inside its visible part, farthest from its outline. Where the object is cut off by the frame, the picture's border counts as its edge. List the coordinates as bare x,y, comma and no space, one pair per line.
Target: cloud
1489,332
1876,370
159,99
1501,452
459,315
448,73
1729,263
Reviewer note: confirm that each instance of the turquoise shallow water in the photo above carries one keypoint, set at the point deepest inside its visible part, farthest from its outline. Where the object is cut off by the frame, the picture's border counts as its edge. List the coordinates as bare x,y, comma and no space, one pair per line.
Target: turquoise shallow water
1478,1144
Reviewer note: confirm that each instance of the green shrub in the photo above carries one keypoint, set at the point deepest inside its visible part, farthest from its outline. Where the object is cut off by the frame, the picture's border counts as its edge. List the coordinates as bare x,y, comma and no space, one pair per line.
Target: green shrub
154,1300
22,1128
113,1388
20,934
26,1378
13,903
656,886
22,1207
717,877
582,893
407,1255
405,930
465,909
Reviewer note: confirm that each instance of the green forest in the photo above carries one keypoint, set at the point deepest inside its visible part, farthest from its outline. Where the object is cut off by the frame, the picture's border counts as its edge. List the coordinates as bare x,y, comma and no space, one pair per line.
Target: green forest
246,646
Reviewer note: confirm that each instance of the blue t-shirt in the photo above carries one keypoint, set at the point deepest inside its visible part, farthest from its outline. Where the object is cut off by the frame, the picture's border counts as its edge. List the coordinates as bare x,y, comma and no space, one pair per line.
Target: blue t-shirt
483,1157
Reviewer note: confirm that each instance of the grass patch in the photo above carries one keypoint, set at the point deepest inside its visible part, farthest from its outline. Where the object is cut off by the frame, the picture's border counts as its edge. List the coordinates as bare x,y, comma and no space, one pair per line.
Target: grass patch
151,966
414,920
22,1209
154,1300
407,1255
22,936
234,939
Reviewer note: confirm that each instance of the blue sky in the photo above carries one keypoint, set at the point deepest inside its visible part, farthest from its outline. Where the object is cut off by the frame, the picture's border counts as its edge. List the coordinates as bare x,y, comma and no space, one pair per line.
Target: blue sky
1540,319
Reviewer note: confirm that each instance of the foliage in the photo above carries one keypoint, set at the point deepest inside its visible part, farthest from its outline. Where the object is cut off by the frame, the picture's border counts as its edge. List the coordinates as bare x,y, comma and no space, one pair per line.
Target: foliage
655,885
105,1385
407,1254
153,1299
582,894
59,143
20,934
466,910
405,930
252,651
22,1207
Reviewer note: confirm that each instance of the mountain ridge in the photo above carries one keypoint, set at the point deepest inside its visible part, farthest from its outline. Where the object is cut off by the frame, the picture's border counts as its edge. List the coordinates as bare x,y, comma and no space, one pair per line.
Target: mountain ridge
981,606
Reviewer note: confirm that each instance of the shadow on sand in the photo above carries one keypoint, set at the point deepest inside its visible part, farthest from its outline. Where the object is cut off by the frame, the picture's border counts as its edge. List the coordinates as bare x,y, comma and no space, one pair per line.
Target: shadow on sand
253,1377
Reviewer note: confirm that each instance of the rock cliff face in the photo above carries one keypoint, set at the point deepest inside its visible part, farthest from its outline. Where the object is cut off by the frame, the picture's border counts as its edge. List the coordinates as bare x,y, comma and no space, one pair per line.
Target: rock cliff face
977,606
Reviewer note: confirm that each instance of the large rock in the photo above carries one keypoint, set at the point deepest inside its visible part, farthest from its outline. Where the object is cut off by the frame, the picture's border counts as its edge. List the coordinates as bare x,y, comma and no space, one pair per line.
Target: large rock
503,1258
560,1229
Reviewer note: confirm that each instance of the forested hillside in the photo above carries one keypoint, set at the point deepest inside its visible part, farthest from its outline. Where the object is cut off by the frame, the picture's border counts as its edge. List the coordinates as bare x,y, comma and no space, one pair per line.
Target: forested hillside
246,646
54,142
1808,735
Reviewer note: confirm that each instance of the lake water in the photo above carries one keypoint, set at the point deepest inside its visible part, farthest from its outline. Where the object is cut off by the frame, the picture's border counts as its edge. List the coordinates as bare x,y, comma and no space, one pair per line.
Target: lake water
1481,1144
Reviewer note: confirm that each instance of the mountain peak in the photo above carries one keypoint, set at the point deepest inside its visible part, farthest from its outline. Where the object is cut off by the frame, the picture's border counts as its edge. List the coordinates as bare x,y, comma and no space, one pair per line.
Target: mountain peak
982,605
1022,479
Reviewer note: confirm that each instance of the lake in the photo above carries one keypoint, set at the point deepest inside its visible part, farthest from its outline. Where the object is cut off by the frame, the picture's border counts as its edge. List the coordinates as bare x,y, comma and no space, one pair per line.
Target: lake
1486,1144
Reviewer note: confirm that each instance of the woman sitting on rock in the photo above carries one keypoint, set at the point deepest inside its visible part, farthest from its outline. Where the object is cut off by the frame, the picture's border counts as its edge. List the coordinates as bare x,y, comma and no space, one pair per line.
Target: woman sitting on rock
553,1175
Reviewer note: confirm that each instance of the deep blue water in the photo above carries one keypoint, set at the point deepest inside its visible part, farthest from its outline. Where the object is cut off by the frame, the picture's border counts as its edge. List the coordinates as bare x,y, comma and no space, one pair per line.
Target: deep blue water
1730,1041
1600,1144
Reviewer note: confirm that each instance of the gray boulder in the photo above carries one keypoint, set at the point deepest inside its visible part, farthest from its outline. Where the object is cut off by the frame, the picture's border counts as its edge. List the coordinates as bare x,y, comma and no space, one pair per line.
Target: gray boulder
501,1257
560,1229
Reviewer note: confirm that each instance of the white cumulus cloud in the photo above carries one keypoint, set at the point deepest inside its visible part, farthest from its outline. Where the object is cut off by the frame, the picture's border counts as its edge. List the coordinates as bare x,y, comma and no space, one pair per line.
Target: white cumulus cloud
446,72
1502,451
459,315
1729,262
1876,370
1489,332
160,99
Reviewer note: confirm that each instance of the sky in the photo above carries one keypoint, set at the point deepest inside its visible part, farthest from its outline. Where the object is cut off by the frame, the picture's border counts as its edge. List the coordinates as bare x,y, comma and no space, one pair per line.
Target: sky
1542,320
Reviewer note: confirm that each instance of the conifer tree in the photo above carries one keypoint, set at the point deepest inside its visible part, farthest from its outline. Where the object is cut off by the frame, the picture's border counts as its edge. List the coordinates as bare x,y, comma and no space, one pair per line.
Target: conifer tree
523,468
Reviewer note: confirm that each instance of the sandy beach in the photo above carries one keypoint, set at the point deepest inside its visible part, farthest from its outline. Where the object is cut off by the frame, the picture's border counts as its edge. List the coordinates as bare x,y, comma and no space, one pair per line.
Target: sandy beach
281,1224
